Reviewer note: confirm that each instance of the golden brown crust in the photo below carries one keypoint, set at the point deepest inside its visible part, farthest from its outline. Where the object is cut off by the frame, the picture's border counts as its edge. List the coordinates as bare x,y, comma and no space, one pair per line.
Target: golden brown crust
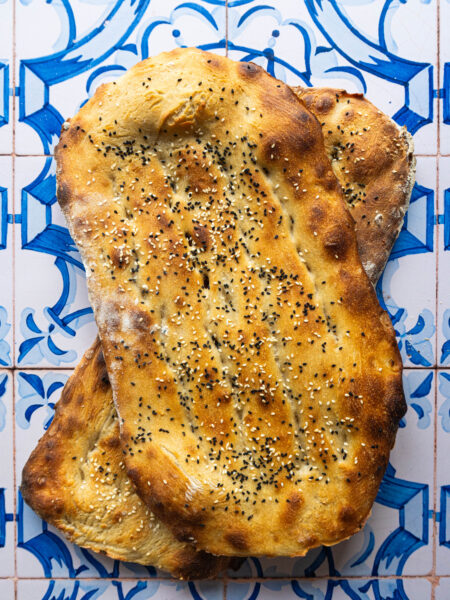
85,491
373,161
255,373
52,508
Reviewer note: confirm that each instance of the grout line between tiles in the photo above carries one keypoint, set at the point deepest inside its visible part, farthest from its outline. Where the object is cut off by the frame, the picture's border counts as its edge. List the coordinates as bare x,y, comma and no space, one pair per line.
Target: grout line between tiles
13,100
434,522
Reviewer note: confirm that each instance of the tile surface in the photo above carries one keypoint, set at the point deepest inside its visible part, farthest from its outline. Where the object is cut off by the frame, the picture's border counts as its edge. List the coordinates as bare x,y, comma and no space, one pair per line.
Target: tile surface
336,589
411,303
6,476
6,76
53,55
443,473
6,262
54,321
443,589
443,304
117,590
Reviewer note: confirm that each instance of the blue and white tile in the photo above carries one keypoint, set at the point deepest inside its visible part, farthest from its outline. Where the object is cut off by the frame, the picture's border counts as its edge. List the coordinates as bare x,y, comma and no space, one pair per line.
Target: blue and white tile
443,473
6,56
54,321
118,590
82,45
407,288
442,591
6,476
6,262
445,78
397,538
385,50
39,552
443,317
341,589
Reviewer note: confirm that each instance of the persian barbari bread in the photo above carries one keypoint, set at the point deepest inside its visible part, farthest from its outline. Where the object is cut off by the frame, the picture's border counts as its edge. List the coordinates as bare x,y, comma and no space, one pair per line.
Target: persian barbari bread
76,480
48,472
373,161
257,380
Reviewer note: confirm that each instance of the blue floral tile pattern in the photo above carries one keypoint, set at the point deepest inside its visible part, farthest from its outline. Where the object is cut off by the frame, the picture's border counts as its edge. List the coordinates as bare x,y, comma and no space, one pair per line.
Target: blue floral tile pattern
53,55
117,590
6,476
58,325
333,589
412,307
6,266
443,474
443,317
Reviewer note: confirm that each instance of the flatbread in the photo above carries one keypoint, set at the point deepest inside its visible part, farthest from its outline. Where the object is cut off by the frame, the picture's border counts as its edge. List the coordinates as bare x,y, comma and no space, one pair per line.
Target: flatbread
110,535
373,161
76,480
258,379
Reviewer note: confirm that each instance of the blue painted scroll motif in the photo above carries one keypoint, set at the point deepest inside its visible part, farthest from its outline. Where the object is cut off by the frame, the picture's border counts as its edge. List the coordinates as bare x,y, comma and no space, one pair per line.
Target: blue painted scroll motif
45,338
363,55
444,493
5,325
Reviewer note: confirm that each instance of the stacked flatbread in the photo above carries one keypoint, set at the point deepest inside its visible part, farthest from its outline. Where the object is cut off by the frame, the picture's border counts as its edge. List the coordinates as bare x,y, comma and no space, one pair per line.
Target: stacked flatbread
245,389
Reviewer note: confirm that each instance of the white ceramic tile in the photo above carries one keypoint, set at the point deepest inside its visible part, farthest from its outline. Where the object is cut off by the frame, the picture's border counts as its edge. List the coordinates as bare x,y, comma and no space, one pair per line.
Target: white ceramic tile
6,476
442,591
7,589
342,589
117,590
171,590
409,281
108,44
355,45
443,317
41,589
445,77
6,56
6,262
54,322
443,474
282,590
